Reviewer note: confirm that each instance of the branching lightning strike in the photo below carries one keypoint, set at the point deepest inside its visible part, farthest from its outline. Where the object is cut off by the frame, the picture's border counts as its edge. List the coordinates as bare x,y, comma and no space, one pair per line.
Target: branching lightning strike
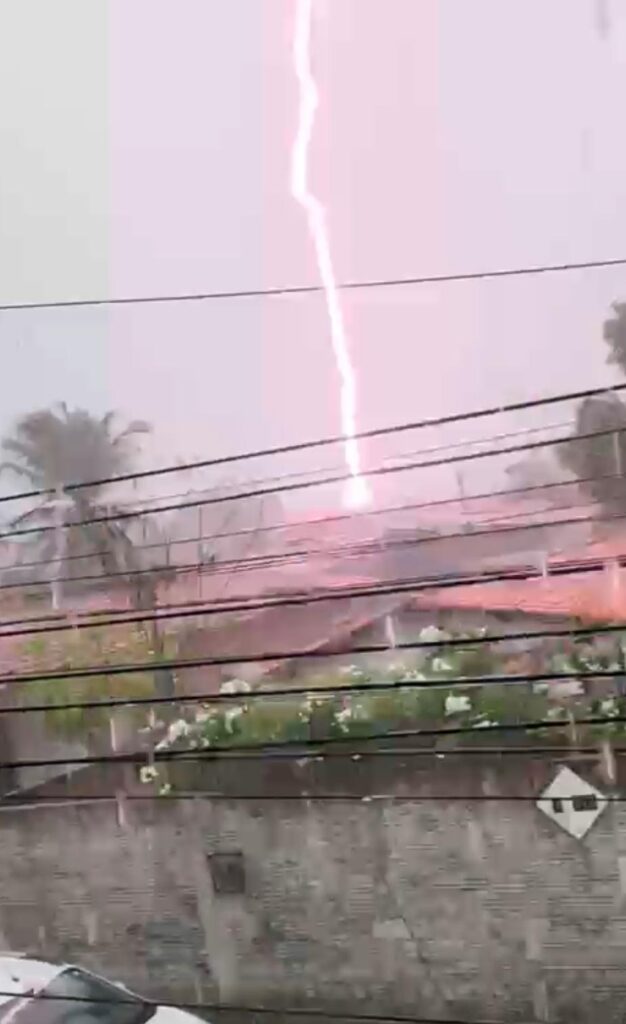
357,491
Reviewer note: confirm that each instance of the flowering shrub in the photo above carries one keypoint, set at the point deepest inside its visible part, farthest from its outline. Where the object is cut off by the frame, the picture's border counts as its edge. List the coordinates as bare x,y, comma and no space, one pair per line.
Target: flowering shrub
75,649
443,690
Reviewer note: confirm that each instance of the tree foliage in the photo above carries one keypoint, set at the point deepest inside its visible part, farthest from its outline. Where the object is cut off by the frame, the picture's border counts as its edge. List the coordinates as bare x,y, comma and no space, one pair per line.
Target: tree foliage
599,462
614,332
53,448
76,649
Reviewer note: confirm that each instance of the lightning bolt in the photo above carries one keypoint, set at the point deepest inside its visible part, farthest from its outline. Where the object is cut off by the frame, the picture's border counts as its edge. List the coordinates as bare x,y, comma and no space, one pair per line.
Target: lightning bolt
357,491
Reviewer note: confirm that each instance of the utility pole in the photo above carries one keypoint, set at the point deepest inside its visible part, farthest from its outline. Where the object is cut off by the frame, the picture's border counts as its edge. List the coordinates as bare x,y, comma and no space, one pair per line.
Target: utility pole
617,451
61,504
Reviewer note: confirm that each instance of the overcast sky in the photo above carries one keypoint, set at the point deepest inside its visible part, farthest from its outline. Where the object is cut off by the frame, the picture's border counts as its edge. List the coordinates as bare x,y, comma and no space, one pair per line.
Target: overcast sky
145,150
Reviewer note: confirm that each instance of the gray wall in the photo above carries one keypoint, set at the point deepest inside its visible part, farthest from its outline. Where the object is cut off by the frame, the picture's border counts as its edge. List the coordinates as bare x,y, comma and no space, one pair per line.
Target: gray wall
413,903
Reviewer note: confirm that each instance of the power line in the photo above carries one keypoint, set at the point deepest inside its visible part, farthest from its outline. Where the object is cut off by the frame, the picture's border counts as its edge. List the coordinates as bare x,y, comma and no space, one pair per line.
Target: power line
307,484
86,620
321,654
374,545
278,1011
296,750
299,446
443,753
468,442
126,616
315,289
319,521
9,800
258,696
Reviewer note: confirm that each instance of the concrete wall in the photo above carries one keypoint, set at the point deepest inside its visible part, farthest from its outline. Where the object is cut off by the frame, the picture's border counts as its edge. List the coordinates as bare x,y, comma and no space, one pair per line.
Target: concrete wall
414,903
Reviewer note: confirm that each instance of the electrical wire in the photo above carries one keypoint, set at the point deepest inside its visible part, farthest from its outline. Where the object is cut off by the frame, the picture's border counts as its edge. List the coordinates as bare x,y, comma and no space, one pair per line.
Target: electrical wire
9,800
280,559
317,749
532,403
449,446
307,484
320,693
90,620
574,634
126,615
322,522
316,289
278,1011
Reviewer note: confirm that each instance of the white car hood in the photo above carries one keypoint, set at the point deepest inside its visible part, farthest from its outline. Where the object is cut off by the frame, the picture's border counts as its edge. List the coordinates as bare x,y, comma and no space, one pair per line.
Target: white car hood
19,976
170,1015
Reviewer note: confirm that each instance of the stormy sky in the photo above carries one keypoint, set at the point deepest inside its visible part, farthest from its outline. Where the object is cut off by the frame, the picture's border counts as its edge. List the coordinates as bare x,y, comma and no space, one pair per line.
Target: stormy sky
145,150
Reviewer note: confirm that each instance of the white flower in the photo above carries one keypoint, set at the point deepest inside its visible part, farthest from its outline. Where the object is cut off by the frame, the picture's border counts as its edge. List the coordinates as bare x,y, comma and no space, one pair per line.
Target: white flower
567,687
396,668
591,665
175,730
349,713
181,727
561,663
235,686
441,665
231,716
204,715
457,703
148,773
484,723
412,676
352,671
609,707
432,634
313,701
555,712
165,789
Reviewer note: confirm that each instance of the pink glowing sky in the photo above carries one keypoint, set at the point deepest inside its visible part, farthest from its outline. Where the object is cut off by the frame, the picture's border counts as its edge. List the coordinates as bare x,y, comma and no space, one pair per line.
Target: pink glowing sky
146,150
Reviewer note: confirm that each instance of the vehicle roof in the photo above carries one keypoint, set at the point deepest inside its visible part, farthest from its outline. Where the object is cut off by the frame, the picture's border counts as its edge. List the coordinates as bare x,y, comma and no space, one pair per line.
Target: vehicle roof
19,974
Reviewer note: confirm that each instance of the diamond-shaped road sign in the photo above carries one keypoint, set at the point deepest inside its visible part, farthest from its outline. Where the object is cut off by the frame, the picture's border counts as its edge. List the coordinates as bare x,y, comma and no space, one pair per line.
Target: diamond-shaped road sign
572,802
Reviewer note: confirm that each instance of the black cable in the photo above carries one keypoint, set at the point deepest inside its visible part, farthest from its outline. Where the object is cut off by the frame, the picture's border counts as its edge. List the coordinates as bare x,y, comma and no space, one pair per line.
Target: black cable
429,752
89,620
297,750
321,654
532,403
86,620
431,449
316,289
258,696
278,1011
249,531
328,797
307,484
373,545
340,517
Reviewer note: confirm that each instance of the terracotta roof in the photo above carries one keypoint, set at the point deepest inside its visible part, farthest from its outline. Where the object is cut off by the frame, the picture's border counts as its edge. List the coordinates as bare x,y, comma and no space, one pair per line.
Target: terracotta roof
595,596
604,550
296,629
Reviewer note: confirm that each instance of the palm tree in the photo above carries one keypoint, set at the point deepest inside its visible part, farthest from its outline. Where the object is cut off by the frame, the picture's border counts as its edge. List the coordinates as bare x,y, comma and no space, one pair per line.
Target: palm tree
54,449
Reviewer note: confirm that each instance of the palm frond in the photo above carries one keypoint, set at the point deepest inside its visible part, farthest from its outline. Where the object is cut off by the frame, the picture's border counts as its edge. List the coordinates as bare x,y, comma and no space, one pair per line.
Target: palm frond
61,445
19,470
43,512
